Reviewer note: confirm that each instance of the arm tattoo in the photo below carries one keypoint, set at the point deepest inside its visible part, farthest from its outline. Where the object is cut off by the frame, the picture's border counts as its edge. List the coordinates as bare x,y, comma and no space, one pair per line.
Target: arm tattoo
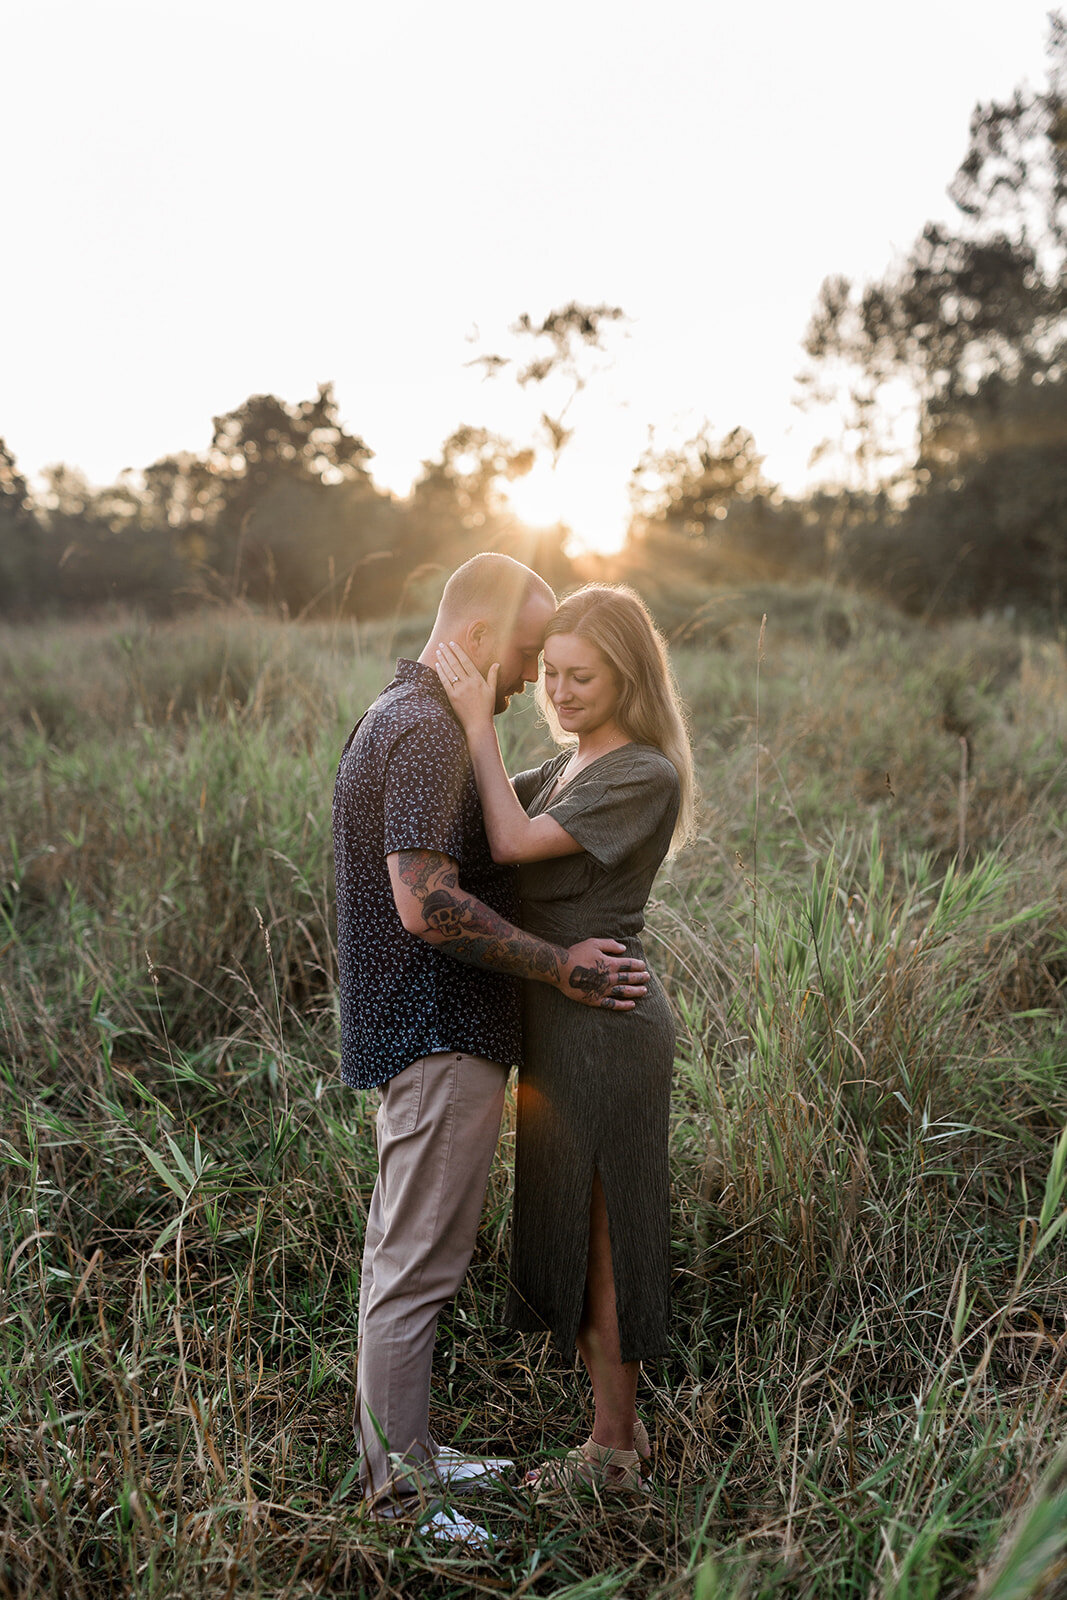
468,930
420,868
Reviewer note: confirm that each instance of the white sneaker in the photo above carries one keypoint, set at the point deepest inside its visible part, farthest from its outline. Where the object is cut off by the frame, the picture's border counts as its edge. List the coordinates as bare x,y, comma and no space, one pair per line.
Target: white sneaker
450,1527
452,1467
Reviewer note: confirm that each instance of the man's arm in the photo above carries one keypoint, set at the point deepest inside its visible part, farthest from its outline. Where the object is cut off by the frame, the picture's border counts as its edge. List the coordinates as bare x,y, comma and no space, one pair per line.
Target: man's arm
433,906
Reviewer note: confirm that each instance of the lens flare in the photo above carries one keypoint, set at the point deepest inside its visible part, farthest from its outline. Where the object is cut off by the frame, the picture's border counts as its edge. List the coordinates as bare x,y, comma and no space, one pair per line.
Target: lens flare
587,501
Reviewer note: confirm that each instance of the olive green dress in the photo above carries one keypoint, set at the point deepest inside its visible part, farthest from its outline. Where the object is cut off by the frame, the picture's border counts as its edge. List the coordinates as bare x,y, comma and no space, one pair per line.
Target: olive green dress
594,1089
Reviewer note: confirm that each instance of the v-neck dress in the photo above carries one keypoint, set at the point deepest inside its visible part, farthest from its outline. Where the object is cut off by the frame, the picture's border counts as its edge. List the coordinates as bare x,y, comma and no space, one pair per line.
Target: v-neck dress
594,1088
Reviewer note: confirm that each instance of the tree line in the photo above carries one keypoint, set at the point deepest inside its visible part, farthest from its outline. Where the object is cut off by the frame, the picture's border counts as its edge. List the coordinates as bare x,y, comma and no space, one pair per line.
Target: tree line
966,336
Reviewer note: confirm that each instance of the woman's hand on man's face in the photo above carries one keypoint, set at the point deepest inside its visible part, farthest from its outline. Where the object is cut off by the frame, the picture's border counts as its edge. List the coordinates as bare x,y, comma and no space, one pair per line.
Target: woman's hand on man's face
472,697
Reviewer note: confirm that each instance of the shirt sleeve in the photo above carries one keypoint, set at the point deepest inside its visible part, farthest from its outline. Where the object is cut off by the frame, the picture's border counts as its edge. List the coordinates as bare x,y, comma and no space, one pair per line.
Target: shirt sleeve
426,777
612,816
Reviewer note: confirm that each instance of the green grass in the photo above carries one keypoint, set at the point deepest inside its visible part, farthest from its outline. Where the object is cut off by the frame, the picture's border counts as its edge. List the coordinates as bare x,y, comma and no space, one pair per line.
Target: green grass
865,1391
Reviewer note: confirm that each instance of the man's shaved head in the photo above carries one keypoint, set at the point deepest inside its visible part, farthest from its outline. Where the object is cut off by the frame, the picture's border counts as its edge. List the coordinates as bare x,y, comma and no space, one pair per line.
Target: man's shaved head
498,610
491,588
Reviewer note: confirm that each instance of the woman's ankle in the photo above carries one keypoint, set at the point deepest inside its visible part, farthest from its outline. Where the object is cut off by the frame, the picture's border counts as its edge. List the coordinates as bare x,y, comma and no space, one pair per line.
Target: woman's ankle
612,1435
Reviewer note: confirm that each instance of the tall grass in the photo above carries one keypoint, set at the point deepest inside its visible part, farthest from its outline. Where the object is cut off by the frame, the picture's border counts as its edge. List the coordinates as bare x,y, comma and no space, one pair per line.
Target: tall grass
865,1392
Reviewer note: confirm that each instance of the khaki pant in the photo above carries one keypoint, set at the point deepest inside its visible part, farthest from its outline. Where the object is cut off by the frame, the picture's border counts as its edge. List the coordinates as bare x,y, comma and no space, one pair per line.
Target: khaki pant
437,1126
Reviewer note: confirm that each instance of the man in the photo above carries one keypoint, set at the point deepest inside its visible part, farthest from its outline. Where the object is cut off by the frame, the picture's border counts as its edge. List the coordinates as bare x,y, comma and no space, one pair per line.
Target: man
429,960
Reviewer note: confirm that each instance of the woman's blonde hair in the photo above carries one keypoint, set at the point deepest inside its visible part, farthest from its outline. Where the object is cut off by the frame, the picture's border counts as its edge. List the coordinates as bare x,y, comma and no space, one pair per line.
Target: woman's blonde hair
650,711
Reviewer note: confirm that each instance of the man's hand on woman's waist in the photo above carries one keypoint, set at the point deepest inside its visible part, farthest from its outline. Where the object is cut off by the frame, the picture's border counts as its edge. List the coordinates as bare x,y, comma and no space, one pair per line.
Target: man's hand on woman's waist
433,906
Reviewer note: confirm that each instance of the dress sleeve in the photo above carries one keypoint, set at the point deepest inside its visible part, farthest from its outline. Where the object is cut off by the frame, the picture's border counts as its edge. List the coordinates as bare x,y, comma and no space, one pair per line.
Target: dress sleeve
612,816
527,784
425,778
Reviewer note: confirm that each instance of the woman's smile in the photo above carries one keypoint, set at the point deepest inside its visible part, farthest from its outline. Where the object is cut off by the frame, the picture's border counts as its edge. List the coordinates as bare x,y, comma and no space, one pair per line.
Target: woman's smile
581,684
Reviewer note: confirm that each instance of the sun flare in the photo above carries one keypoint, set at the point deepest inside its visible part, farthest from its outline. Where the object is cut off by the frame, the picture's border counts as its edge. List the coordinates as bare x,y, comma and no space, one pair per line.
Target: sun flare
588,502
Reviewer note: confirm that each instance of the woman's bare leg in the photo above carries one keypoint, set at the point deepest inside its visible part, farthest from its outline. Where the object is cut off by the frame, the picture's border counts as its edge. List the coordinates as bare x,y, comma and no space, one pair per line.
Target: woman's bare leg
614,1381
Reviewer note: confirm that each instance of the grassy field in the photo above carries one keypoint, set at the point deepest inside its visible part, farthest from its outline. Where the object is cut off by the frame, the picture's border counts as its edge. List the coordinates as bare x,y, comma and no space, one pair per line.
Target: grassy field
867,948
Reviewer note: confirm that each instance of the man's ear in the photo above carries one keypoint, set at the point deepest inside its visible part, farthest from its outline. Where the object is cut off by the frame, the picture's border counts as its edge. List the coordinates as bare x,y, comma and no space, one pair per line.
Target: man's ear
475,635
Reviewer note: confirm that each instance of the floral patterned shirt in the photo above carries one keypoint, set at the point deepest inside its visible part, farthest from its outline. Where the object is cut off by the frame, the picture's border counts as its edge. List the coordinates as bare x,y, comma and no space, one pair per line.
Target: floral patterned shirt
405,782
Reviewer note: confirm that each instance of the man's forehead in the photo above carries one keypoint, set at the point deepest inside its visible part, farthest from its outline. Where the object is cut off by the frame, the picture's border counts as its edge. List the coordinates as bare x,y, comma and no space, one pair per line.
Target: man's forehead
528,631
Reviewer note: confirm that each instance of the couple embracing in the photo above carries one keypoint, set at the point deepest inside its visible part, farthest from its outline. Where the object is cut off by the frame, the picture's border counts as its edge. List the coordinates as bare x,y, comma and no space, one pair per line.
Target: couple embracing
485,922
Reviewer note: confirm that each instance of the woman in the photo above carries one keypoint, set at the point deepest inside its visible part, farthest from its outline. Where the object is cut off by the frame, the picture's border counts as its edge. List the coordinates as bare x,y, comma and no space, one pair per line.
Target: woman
589,829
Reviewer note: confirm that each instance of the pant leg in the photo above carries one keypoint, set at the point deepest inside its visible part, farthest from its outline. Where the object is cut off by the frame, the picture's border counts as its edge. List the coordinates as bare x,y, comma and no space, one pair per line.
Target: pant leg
372,1238
438,1126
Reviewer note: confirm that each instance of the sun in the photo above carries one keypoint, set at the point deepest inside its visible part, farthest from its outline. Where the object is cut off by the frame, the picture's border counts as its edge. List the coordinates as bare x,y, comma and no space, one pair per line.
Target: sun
590,502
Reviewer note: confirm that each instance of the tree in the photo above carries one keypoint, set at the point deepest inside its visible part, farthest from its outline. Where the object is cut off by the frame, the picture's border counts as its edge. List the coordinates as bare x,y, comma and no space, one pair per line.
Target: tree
182,496
256,448
970,331
687,489
22,563
460,488
703,512
326,549
985,299
566,345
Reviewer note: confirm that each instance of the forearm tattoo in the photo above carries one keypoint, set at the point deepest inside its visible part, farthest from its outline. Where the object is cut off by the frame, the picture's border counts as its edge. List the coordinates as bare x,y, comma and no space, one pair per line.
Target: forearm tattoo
469,930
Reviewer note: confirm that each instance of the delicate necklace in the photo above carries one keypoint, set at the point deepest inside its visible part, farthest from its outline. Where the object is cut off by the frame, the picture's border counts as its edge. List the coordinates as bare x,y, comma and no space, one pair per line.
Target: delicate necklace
561,781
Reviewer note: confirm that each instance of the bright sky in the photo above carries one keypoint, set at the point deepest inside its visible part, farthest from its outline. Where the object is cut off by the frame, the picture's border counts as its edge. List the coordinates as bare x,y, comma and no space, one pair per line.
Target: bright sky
209,200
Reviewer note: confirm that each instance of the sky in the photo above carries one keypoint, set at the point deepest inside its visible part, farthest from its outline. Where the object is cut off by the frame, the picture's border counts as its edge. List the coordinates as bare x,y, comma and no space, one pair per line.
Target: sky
207,201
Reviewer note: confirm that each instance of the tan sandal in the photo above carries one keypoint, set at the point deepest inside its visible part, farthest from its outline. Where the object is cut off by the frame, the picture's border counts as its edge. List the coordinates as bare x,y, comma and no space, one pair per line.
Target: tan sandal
642,1448
591,1466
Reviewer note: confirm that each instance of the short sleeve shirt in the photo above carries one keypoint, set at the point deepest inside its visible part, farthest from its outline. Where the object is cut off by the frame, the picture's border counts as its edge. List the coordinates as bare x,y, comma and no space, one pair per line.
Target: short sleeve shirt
405,782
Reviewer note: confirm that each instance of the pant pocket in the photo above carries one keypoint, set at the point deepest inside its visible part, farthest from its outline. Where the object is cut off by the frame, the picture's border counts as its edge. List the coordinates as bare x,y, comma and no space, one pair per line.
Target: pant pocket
402,1100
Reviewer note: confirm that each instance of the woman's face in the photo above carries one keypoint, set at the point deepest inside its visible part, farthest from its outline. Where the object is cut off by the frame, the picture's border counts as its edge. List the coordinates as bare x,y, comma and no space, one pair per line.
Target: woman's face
580,682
